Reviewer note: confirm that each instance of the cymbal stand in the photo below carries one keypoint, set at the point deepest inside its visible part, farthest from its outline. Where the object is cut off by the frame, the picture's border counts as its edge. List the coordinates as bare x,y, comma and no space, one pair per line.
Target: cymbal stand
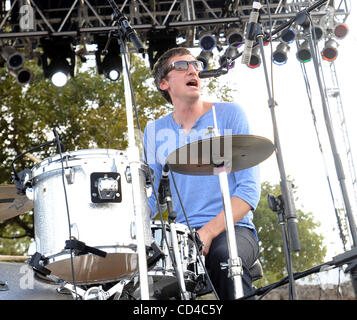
139,199
285,185
234,263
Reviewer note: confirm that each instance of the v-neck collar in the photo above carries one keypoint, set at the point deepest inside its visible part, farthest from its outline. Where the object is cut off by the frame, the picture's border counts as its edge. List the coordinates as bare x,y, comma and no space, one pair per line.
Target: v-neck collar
198,120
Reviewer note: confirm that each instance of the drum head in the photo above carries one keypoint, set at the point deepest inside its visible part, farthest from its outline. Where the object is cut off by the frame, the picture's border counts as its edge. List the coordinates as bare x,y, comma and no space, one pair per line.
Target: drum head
91,269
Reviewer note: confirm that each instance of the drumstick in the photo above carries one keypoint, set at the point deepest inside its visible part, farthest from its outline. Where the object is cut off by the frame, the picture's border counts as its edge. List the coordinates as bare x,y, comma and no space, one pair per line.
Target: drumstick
32,157
13,258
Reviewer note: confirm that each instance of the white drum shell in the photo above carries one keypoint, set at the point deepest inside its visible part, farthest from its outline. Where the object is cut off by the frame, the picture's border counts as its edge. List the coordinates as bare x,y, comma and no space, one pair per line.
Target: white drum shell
106,226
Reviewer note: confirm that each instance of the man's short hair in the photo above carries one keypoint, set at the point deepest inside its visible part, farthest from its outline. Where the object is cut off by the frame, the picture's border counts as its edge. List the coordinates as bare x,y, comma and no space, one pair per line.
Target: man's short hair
160,67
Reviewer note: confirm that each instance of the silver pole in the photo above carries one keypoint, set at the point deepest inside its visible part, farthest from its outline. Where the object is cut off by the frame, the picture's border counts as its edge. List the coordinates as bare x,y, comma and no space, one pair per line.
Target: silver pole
234,264
135,166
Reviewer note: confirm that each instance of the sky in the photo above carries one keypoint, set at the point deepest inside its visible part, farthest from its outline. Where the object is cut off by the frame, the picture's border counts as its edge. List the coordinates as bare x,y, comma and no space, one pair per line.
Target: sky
302,159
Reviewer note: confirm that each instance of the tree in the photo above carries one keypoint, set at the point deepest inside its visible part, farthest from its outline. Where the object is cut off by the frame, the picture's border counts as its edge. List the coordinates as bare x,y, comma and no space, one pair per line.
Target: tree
89,112
271,242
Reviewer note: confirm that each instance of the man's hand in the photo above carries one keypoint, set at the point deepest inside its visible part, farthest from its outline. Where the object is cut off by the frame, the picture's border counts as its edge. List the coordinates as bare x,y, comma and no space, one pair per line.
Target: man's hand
217,225
206,238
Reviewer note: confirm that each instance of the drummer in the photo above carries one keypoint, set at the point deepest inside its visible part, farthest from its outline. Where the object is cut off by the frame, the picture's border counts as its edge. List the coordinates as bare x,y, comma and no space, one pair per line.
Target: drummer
176,77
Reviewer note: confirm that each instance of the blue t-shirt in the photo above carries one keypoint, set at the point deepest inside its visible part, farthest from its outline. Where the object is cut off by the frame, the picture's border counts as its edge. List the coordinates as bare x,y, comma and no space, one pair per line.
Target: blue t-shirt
201,195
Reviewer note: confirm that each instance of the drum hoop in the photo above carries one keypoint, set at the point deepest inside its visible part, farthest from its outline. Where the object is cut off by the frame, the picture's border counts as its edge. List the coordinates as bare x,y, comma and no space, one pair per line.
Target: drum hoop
65,254
75,158
180,227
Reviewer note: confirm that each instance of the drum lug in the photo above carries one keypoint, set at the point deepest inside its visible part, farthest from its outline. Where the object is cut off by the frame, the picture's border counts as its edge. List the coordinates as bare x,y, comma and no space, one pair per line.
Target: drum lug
133,230
128,174
69,174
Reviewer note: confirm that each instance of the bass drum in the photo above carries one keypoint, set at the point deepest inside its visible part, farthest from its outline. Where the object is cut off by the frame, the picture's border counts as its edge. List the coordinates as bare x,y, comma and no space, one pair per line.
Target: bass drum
100,214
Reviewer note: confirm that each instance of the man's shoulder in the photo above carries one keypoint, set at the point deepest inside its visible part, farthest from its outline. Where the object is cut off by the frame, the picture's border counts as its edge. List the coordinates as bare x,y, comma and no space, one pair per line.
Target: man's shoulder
160,122
228,107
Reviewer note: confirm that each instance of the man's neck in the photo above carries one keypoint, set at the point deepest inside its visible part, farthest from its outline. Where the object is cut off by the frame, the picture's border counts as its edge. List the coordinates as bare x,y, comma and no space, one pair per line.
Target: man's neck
187,114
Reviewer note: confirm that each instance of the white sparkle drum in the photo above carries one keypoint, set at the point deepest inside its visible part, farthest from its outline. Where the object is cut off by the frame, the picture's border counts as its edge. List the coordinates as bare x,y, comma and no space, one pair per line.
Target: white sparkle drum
100,214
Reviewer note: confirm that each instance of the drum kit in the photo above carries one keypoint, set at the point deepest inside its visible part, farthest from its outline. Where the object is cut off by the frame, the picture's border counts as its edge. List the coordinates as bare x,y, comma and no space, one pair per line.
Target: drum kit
86,237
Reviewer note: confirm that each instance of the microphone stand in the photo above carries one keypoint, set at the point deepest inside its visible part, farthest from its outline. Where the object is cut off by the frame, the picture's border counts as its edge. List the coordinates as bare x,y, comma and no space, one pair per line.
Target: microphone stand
303,20
285,185
166,193
277,205
139,196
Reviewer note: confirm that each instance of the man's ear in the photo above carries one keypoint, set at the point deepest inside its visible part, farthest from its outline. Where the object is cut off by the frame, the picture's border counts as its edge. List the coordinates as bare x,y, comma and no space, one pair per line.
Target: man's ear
164,85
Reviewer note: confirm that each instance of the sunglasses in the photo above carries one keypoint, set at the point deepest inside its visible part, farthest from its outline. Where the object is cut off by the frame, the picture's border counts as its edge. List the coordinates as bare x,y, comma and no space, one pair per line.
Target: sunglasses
183,65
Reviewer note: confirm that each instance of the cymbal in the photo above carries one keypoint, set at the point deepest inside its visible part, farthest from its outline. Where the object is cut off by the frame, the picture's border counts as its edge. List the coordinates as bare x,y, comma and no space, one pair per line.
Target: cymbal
11,203
236,152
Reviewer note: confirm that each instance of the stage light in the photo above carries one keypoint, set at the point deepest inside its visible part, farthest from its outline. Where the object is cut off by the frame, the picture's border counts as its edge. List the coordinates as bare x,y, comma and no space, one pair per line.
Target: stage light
227,59
254,58
303,53
58,71
340,30
112,66
23,76
288,35
330,52
14,63
317,33
108,58
280,55
205,56
207,40
58,60
234,36
14,59
159,42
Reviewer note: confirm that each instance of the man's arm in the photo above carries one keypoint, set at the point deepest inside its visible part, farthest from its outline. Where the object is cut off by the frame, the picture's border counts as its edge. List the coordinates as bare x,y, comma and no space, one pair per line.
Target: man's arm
217,225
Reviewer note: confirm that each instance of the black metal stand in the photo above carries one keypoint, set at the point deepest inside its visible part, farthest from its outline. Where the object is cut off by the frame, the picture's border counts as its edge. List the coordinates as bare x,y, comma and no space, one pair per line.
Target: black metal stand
276,204
349,258
165,193
289,210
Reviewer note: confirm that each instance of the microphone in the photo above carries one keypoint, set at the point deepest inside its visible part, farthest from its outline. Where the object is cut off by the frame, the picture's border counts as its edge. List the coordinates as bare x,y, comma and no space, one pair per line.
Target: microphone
126,28
132,35
164,188
211,73
250,33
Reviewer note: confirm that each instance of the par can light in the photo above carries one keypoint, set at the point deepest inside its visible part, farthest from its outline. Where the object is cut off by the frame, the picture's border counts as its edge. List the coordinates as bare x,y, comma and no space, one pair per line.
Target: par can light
330,52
